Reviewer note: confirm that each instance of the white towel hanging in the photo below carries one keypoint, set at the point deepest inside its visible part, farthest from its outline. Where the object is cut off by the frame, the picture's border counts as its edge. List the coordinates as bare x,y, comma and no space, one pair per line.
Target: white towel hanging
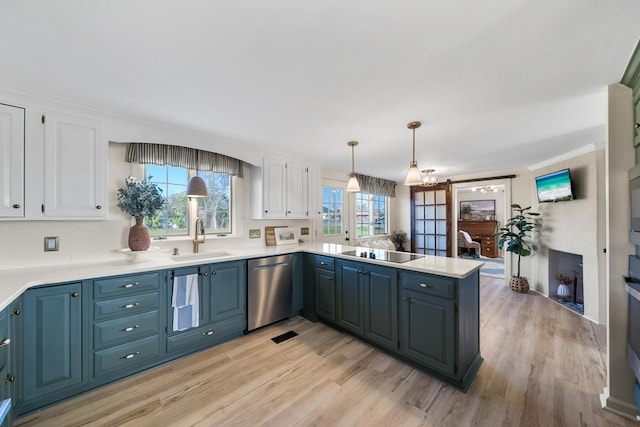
185,302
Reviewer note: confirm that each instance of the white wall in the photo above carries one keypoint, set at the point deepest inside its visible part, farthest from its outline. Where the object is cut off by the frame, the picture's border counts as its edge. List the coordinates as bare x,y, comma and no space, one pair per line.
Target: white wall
618,395
571,226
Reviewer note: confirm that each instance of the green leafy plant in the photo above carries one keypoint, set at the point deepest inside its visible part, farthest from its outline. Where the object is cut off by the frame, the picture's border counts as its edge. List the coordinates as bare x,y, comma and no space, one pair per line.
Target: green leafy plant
399,237
465,210
515,232
140,198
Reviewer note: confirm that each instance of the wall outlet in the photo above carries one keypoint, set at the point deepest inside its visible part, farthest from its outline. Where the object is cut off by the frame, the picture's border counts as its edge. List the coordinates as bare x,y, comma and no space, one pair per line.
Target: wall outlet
304,231
51,244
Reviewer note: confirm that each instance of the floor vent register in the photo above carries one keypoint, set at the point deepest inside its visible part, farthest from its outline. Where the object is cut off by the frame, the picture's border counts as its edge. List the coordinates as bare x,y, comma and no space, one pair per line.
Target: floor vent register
284,337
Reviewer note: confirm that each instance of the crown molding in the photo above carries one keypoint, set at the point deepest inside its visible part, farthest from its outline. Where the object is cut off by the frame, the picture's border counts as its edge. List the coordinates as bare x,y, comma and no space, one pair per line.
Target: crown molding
566,156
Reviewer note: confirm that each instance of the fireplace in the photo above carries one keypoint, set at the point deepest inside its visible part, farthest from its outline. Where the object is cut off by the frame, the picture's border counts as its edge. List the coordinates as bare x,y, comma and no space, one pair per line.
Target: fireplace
569,267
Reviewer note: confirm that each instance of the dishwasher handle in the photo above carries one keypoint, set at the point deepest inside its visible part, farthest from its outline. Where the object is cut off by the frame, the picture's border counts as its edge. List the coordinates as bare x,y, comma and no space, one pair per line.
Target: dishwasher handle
267,266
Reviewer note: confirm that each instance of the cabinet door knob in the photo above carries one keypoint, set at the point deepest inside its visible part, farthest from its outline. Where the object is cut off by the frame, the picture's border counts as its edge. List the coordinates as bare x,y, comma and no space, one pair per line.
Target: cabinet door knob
288,212
266,211
637,125
5,342
99,207
16,312
16,206
74,295
10,379
405,299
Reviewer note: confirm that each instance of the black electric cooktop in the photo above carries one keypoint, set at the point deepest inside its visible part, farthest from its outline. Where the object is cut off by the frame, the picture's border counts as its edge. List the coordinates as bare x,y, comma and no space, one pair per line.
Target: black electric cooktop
383,255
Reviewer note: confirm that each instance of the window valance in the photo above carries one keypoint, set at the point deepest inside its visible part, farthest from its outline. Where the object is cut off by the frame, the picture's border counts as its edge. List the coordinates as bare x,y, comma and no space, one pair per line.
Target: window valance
185,157
371,185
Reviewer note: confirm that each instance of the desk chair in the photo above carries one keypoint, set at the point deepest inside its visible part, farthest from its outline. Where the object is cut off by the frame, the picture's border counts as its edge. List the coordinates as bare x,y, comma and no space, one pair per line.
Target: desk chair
465,242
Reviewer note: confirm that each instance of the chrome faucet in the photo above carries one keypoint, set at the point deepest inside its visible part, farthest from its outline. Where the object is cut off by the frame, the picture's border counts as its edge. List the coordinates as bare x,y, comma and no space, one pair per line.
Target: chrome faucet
199,228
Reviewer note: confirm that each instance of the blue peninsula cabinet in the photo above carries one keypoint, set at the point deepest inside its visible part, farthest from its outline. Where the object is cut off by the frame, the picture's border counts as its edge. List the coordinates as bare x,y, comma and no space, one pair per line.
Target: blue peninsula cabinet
367,301
429,321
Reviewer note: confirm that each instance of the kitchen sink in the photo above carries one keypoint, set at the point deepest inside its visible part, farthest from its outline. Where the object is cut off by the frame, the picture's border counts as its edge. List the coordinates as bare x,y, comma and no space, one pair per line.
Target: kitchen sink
202,255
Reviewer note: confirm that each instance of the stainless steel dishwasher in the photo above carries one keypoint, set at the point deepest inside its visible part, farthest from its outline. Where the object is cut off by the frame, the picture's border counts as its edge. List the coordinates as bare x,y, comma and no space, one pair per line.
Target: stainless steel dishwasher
269,290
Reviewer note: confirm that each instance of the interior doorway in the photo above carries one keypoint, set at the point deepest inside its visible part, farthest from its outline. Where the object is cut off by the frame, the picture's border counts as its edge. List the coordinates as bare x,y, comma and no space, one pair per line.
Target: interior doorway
482,207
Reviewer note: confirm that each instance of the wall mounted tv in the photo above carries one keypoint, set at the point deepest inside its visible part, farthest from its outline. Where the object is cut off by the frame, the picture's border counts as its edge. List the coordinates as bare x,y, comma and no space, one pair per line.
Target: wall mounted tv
554,187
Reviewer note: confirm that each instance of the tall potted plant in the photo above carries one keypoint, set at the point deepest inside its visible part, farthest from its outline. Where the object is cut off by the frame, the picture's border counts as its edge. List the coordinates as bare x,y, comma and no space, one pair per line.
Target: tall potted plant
140,199
514,235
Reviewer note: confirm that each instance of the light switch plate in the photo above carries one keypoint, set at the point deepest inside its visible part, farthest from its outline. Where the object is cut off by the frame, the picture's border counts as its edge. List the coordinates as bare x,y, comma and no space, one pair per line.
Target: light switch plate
50,244
304,231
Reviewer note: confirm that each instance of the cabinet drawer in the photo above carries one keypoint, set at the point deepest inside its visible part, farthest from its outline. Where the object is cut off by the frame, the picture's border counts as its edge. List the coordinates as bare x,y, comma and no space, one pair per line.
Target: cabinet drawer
123,329
207,335
123,358
324,262
428,284
124,285
125,306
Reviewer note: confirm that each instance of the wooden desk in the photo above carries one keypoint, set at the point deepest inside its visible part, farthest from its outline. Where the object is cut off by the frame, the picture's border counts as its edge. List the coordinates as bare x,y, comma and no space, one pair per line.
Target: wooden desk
483,232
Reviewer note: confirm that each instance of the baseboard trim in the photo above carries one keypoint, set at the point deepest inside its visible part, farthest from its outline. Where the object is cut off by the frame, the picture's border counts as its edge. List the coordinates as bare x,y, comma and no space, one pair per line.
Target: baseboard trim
618,406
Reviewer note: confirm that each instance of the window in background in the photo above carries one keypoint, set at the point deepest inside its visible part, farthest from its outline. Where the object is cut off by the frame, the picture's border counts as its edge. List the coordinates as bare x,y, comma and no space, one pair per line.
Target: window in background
175,220
172,221
215,209
371,215
332,211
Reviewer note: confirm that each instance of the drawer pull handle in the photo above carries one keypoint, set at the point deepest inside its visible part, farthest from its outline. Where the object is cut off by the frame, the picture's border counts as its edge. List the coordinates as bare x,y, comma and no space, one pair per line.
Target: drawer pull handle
129,328
208,333
5,342
130,355
136,304
129,285
10,379
426,285
324,263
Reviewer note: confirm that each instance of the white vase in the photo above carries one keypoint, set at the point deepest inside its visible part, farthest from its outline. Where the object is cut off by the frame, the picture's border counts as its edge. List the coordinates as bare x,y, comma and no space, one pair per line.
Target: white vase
563,290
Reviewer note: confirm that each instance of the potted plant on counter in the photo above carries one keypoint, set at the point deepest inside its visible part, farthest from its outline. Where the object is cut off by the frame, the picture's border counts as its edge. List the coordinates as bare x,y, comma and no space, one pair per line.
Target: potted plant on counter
140,199
398,238
514,235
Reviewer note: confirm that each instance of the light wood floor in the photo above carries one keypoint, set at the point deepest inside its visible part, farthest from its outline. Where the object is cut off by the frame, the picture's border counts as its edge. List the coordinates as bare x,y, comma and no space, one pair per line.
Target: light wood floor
543,366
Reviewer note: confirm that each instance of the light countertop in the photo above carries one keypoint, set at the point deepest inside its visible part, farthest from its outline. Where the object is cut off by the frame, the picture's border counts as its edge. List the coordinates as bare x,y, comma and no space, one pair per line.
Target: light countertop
13,282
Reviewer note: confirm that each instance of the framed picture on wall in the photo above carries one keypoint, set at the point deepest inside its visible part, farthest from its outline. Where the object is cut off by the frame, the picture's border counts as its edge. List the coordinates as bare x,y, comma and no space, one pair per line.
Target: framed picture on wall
478,209
286,236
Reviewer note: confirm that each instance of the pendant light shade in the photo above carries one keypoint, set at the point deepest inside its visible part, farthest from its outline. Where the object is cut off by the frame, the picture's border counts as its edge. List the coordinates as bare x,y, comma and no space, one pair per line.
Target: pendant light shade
414,177
196,187
353,186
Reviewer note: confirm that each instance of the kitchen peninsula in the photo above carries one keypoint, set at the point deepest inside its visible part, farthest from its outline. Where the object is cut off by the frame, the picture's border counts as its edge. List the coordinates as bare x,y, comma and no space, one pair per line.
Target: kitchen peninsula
94,323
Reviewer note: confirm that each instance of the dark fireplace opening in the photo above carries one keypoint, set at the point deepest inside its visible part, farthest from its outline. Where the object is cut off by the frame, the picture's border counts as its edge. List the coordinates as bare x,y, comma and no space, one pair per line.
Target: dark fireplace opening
566,284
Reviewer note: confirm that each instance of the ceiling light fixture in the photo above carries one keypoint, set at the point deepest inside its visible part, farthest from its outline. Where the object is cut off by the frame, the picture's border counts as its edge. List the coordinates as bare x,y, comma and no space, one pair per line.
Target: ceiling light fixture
486,189
429,179
414,177
352,185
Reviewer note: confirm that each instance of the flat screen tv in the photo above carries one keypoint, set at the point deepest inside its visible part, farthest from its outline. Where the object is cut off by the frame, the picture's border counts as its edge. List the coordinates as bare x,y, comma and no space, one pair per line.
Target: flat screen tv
554,187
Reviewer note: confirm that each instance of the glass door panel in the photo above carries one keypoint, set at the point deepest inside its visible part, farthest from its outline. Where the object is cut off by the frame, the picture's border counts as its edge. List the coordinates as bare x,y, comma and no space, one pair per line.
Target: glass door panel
431,222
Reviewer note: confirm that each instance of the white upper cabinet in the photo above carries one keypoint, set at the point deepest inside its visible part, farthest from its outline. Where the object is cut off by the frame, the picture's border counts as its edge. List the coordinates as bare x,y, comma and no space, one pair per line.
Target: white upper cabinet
314,195
296,199
75,168
281,190
11,162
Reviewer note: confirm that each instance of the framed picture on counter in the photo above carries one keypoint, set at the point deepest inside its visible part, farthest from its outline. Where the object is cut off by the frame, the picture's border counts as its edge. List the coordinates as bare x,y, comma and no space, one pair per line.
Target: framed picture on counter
286,236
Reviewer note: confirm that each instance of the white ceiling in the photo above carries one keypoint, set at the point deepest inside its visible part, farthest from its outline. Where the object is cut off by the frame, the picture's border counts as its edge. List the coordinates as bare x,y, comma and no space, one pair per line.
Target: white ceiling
500,84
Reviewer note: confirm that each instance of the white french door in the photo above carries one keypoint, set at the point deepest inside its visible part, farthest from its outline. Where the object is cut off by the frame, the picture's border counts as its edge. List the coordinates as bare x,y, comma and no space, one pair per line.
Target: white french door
336,213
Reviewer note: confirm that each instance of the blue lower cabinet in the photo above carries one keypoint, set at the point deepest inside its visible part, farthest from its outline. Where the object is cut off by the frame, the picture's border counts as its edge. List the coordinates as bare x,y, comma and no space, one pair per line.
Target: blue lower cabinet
126,358
350,283
381,306
51,342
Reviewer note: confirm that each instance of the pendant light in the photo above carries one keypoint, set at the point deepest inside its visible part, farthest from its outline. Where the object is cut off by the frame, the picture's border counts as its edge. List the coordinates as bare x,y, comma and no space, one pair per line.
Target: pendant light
414,177
196,188
430,179
352,185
